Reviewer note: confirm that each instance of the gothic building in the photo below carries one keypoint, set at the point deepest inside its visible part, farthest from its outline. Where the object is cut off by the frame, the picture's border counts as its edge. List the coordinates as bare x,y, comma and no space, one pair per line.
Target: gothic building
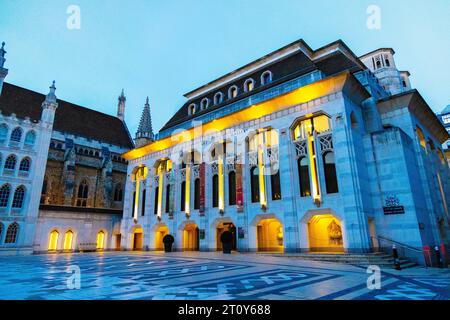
62,176
300,150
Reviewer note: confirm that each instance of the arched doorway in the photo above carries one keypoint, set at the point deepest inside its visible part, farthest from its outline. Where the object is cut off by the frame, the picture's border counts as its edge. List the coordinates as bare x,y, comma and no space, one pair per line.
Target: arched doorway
160,232
100,240
225,226
269,234
325,234
137,239
190,237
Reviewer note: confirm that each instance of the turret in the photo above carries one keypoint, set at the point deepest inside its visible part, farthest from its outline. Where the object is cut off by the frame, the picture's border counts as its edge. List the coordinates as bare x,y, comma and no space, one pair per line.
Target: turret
49,106
144,134
3,70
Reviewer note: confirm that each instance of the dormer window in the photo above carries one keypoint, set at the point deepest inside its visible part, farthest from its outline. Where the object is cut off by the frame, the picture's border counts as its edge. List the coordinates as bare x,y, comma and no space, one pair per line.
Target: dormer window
232,92
192,109
249,85
218,98
266,77
386,61
204,104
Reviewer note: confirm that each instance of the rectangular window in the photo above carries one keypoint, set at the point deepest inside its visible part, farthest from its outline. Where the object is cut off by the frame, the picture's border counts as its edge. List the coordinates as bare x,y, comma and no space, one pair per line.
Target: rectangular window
183,196
144,192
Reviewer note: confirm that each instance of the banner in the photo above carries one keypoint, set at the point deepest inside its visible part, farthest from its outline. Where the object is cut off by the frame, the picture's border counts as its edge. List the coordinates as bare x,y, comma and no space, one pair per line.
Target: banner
239,190
202,189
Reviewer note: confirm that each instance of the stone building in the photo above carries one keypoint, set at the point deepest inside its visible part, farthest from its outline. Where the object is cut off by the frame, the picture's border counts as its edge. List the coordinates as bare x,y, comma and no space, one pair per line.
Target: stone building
300,150
62,178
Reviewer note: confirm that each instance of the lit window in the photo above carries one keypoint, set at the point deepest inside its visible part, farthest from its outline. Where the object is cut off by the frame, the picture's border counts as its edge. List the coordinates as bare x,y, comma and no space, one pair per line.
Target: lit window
192,109
319,124
266,77
421,137
68,240
19,195
24,165
232,92
100,240
82,195
10,162
53,240
5,190
249,85
11,233
16,135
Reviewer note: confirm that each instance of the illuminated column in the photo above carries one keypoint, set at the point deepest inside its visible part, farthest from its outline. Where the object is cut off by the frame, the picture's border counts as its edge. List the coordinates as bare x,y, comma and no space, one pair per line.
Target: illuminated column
313,161
160,189
136,197
188,190
262,189
221,196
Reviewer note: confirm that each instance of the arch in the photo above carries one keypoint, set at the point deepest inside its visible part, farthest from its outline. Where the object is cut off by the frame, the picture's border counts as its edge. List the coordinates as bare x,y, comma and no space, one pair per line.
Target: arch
325,233
25,164
30,138
101,240
68,240
16,135
266,77
5,191
53,240
12,233
225,225
192,109
190,237
303,177
10,162
218,98
82,194
161,230
19,196
233,92
249,85
269,233
232,188
204,104
329,168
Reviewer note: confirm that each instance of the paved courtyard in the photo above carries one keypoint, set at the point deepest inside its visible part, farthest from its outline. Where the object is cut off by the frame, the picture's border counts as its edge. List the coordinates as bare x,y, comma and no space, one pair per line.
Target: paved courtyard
195,275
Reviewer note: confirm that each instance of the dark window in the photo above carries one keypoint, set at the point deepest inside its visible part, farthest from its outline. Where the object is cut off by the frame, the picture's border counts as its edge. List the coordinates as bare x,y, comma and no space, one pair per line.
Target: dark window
232,188
82,196
155,209
303,176
386,62
167,198
144,195
19,195
134,203
275,184
44,191
24,165
215,191
11,233
118,193
254,181
16,135
5,191
10,162
183,196
330,173
197,194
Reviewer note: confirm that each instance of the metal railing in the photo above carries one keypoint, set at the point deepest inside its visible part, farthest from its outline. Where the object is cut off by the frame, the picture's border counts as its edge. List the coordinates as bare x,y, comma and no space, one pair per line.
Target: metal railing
383,244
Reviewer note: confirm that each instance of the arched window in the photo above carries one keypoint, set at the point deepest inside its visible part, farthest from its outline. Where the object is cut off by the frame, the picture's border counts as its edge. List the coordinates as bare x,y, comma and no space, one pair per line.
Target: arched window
249,85
30,138
16,135
183,196
254,183
232,188
53,240
68,240
19,195
82,195
5,190
378,63
168,186
3,132
197,194
10,162
100,240
134,204
218,98
24,165
420,135
275,185
303,176
215,191
155,207
353,121
118,193
204,103
266,77
386,61
232,92
330,172
11,233
192,109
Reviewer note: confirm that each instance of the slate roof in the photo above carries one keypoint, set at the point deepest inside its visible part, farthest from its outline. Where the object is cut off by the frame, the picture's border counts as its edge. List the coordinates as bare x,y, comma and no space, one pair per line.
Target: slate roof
69,118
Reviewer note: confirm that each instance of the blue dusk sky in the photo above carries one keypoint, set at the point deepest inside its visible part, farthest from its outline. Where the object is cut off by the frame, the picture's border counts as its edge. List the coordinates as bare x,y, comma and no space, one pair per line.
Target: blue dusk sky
163,49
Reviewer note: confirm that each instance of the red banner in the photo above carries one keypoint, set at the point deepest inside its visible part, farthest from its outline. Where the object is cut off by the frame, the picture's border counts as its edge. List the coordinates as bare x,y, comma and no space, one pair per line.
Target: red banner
239,190
202,189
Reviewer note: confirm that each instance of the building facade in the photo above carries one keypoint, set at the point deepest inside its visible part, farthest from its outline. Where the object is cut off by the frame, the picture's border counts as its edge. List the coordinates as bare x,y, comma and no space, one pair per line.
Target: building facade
444,116
301,150
62,175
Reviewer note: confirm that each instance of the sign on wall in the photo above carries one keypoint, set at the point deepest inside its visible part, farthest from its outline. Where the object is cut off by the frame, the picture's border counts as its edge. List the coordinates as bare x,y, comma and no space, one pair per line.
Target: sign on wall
392,206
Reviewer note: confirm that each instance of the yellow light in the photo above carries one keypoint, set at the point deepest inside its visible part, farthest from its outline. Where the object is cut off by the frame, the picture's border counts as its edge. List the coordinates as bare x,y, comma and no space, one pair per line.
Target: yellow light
312,161
68,240
100,240
188,189
301,95
138,175
160,189
53,242
221,200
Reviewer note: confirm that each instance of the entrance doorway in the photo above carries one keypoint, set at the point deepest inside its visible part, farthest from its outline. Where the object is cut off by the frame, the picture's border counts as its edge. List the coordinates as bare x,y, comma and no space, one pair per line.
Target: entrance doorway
325,234
222,227
160,232
118,241
270,235
137,239
190,238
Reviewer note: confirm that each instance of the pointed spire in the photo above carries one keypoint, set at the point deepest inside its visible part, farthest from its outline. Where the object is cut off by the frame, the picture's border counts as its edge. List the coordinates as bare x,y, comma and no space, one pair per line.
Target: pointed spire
145,129
121,106
2,55
51,96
